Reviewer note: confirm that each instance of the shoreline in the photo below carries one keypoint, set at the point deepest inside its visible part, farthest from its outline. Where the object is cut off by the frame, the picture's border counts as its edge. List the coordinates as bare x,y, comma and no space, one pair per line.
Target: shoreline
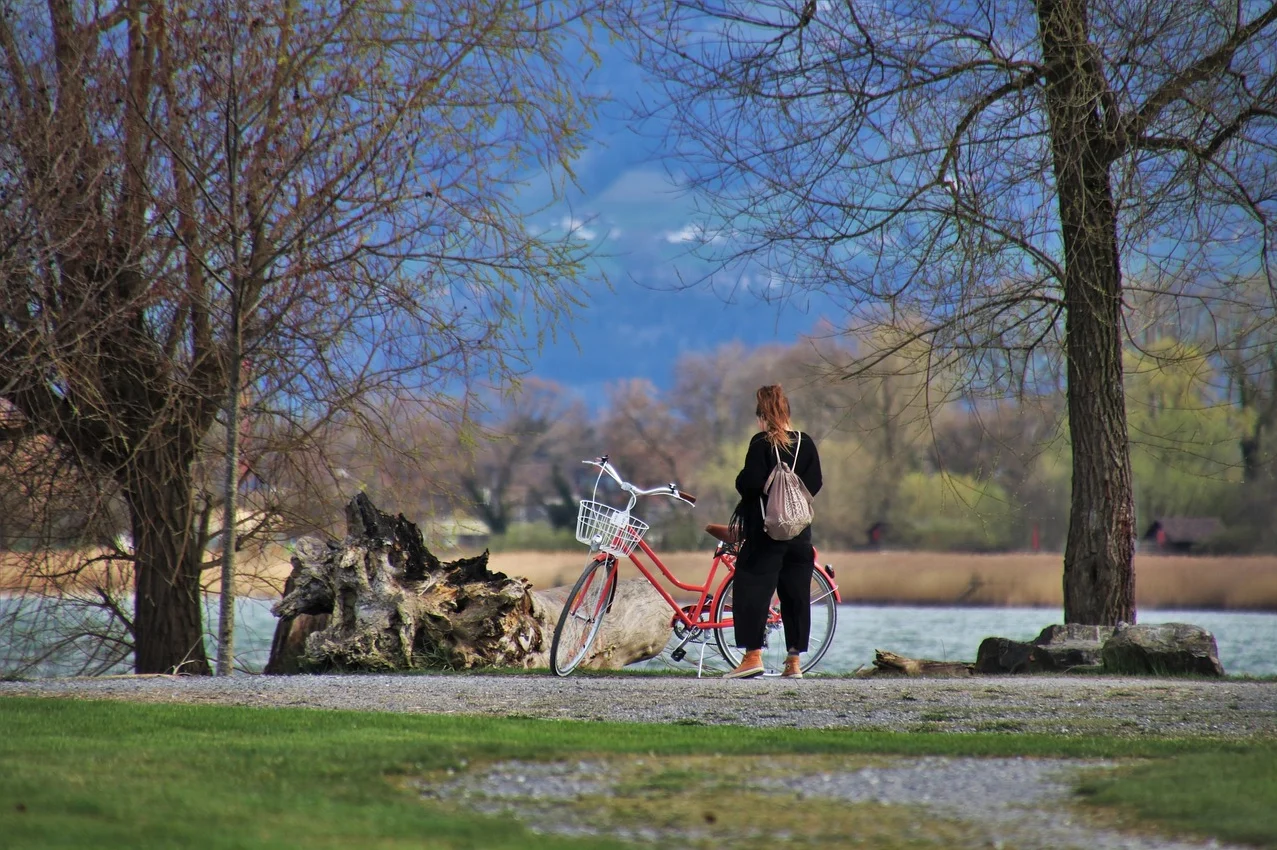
878,577
265,596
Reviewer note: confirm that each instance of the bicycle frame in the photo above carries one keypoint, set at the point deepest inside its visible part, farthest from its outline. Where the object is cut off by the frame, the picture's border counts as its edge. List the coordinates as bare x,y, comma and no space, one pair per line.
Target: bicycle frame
690,615
614,533
704,598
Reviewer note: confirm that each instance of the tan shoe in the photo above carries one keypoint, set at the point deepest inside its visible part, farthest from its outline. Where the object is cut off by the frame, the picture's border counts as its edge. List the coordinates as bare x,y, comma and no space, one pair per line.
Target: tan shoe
750,666
793,668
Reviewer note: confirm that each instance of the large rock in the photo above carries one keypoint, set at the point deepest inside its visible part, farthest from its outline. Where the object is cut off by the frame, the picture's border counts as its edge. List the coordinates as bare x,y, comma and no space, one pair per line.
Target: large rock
1072,646
1162,649
1058,649
998,655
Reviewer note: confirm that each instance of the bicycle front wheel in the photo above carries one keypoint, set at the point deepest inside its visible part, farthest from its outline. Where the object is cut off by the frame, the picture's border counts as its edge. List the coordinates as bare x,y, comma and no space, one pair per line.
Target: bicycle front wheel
824,619
582,615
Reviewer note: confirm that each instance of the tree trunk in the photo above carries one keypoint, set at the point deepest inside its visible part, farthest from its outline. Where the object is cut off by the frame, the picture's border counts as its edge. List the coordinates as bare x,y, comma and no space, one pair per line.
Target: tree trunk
1099,577
381,601
168,631
230,513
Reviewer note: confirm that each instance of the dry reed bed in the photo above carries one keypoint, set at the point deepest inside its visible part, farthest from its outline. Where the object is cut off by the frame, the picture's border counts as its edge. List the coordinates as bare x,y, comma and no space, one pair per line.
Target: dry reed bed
879,577
259,572
941,578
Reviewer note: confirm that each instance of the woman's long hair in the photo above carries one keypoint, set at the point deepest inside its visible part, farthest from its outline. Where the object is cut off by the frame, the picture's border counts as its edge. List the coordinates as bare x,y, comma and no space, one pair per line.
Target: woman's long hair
773,409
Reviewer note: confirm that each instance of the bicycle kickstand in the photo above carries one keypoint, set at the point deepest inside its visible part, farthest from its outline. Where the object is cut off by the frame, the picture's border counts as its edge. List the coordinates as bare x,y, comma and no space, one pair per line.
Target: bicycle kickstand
678,653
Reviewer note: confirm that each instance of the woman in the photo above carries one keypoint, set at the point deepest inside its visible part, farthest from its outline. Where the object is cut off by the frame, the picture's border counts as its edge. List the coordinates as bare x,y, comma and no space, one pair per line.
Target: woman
766,566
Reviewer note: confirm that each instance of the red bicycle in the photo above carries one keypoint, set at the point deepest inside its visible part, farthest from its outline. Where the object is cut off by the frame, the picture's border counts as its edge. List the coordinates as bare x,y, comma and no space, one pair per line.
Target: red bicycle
613,533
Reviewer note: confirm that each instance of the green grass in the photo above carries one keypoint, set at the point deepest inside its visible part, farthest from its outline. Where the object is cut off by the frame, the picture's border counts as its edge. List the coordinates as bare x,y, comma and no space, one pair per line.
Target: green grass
1230,795
114,774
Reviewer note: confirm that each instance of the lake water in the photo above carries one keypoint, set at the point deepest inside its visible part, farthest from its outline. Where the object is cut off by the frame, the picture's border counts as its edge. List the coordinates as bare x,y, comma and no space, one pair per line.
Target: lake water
1247,641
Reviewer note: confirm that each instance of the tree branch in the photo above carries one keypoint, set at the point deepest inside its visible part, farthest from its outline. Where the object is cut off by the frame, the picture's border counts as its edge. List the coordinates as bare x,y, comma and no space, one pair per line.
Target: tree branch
1135,126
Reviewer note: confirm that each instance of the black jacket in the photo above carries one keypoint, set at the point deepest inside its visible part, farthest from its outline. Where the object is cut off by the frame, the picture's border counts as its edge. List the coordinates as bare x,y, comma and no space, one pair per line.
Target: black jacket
760,460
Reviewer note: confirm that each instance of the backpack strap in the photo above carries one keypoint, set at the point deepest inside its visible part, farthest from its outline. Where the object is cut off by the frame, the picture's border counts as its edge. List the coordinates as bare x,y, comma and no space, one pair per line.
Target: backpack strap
777,449
762,507
796,445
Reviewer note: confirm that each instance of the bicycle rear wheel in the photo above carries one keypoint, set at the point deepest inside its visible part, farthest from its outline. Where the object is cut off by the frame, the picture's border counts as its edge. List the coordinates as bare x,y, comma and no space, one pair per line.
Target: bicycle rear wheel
582,615
824,620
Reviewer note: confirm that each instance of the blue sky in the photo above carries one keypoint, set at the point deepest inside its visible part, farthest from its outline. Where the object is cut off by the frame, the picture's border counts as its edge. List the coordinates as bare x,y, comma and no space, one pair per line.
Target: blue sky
629,206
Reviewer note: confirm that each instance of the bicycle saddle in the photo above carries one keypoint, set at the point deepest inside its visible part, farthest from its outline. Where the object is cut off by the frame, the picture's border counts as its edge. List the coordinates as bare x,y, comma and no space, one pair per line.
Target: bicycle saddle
721,532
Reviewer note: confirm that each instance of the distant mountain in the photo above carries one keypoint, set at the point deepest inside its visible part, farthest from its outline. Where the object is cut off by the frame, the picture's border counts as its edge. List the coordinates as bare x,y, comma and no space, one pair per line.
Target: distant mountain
628,204
638,332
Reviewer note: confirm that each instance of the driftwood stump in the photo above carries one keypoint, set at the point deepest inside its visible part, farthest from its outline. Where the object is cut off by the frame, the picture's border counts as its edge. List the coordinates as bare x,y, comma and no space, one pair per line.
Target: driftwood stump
381,601
891,664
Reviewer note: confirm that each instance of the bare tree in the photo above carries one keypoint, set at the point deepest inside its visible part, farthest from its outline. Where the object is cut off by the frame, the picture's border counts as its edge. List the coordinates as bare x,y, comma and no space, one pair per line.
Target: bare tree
337,182
1250,367
644,433
1016,444
988,175
524,455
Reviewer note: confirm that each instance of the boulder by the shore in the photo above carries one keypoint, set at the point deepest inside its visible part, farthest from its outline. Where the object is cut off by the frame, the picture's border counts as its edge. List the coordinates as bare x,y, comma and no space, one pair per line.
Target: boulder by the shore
1156,649
1162,649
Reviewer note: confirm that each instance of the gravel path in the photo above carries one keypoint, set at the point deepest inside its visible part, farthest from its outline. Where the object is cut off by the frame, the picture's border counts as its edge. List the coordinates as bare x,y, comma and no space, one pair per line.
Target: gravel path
1066,705
1016,802
1057,704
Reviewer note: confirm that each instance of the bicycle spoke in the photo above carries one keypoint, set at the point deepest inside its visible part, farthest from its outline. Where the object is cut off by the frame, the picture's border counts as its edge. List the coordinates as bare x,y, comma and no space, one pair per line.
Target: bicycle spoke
824,619
582,615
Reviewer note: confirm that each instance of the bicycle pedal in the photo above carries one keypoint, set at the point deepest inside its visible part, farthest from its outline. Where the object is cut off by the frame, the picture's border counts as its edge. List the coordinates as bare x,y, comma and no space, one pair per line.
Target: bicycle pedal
679,654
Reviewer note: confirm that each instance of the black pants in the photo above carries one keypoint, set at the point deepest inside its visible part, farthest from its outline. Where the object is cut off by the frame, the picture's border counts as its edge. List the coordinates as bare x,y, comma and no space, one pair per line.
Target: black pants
782,567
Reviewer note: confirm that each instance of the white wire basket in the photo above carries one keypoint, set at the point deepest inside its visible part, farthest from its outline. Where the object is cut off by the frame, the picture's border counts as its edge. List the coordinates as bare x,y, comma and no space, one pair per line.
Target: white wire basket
608,529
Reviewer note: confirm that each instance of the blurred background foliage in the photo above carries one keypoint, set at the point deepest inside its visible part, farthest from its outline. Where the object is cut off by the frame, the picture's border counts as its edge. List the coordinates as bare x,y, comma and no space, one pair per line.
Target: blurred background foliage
914,453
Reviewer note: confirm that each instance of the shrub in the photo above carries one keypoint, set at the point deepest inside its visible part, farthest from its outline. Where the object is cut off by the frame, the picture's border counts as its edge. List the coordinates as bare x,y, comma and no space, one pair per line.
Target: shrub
532,537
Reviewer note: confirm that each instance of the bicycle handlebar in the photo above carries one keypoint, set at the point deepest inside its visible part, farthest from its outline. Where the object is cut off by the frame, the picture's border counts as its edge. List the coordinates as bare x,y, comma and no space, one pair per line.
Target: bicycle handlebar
670,489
